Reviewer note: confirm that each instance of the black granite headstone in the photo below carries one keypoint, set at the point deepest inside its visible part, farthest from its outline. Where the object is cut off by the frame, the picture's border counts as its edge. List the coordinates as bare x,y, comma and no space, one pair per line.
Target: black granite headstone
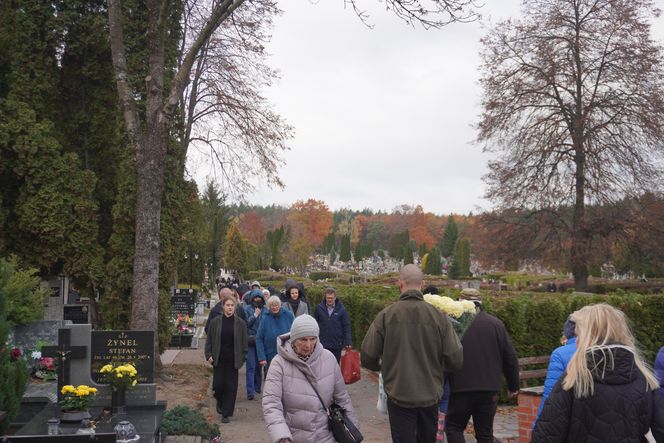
183,302
78,314
135,347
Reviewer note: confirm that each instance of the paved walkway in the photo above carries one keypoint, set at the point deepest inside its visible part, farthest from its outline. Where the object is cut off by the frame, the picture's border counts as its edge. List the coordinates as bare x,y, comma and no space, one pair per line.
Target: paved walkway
248,426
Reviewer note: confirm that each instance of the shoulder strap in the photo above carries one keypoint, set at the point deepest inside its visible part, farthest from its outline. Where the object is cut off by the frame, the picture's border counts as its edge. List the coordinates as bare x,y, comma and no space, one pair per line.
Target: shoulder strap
313,387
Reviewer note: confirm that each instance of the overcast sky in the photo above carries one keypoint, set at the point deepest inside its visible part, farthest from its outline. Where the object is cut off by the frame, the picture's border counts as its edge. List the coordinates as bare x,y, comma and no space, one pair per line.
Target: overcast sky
382,116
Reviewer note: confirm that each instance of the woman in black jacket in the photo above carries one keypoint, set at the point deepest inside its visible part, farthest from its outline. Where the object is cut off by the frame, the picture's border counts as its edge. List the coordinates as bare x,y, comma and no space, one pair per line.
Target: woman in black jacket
226,350
608,393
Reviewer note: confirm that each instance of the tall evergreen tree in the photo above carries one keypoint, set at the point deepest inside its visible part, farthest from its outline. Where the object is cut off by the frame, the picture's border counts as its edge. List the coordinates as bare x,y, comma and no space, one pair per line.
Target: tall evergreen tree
460,267
344,253
449,238
357,255
433,265
216,217
13,371
236,255
407,255
329,243
398,244
275,240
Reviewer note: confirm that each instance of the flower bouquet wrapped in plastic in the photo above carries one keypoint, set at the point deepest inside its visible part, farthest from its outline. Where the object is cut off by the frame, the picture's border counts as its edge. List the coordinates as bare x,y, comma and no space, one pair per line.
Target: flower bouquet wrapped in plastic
461,313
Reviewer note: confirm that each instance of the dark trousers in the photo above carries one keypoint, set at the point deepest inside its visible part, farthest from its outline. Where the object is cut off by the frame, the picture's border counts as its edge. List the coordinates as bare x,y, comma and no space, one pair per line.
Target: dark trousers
481,405
412,425
224,385
336,353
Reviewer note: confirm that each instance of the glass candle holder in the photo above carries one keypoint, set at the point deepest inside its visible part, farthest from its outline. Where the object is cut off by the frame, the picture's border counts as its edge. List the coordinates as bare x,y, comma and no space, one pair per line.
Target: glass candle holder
53,426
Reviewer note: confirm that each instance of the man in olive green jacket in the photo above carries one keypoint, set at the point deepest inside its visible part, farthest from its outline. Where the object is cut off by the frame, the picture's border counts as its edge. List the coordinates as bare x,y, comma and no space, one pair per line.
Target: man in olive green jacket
413,344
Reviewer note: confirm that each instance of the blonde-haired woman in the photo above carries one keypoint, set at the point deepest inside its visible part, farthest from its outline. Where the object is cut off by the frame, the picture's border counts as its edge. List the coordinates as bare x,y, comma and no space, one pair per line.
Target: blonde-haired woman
608,393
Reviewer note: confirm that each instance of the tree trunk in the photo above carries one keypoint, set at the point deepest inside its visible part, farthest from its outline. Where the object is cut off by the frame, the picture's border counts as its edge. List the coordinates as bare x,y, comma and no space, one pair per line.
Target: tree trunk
150,164
150,183
580,233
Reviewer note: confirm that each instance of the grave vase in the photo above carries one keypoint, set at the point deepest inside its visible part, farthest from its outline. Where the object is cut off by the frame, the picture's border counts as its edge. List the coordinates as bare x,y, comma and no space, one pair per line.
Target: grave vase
119,401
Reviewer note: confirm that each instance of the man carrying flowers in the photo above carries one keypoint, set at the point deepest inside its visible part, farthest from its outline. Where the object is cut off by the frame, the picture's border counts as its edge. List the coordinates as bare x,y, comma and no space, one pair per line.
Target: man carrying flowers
488,354
413,344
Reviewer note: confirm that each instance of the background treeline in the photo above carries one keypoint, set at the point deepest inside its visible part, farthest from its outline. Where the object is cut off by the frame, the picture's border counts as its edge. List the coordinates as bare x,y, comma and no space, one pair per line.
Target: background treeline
627,235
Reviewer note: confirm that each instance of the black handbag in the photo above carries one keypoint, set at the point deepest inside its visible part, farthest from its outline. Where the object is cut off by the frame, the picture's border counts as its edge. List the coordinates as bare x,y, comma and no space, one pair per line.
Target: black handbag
343,429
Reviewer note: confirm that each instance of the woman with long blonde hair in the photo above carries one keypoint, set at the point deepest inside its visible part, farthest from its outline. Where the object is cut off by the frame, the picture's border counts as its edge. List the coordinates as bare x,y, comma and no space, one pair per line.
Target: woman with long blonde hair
608,393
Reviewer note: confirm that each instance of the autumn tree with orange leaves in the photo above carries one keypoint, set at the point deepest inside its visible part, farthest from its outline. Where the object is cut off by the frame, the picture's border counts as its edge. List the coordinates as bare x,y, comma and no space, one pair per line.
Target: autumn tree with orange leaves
252,227
310,219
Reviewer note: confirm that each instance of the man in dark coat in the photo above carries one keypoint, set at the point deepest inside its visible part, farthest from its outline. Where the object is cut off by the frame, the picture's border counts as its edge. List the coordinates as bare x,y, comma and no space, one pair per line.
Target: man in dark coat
334,324
488,354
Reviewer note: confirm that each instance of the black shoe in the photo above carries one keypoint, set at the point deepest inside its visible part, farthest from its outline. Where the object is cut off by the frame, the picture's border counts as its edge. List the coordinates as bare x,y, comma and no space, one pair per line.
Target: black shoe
225,420
218,409
250,397
258,391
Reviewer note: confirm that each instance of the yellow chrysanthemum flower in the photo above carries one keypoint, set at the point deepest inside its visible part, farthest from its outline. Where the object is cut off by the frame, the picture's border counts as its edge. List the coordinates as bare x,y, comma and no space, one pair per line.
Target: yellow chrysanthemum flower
67,388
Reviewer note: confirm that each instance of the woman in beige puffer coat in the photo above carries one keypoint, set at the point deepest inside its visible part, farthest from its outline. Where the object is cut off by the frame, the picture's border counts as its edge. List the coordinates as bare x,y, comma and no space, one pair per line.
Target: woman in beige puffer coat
293,413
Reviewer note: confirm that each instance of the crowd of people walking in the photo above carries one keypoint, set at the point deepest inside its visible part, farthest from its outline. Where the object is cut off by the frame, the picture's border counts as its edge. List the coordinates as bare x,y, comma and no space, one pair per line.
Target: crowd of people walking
598,385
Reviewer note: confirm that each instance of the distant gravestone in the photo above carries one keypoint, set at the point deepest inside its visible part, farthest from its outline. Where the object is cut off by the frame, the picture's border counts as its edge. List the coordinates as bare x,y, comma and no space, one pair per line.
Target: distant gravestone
77,314
470,284
123,346
183,302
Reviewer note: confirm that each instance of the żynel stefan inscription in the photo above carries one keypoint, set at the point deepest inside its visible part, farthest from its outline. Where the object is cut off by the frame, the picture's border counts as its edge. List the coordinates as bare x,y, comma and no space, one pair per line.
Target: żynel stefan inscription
135,347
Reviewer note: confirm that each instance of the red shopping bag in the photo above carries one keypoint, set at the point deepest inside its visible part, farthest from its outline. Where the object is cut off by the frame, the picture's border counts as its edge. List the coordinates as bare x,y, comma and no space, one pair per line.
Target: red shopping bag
350,366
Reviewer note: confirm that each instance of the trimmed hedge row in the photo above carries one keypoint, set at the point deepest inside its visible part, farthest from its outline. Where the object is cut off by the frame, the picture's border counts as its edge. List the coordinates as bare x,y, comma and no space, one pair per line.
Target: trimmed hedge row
533,320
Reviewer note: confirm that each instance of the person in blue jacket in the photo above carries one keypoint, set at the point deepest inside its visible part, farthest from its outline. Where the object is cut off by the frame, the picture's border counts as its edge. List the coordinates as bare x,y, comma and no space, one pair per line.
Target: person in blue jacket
255,311
334,324
659,369
277,321
560,357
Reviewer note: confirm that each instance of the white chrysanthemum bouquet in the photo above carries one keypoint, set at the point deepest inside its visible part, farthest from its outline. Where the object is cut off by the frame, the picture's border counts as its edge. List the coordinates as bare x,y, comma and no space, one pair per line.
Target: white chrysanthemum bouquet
461,312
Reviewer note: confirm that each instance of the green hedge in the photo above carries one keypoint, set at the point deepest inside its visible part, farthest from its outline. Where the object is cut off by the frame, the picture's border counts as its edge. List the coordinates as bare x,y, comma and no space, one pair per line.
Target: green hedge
363,303
533,320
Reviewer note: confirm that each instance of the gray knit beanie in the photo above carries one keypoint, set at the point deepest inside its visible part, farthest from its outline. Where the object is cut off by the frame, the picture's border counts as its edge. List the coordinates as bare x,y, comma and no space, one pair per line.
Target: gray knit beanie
304,326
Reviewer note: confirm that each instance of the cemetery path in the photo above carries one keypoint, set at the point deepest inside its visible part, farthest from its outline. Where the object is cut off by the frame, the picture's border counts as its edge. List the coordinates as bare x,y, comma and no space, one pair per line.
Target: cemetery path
186,379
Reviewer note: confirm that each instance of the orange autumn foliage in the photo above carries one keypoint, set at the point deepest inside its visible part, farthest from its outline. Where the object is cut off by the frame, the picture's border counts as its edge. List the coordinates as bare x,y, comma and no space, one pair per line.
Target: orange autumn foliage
312,219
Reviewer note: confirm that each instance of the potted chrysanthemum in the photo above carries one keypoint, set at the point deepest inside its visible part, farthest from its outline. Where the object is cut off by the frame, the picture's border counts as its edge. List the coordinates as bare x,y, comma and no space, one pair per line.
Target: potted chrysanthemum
76,401
121,377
